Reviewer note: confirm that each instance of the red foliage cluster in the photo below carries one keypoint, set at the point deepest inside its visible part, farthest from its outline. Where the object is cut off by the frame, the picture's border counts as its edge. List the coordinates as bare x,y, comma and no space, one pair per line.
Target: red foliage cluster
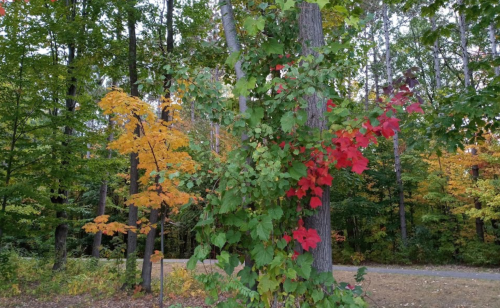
344,151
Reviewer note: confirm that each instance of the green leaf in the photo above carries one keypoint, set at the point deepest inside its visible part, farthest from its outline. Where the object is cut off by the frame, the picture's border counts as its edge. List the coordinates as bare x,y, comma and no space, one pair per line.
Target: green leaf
290,286
264,228
275,212
233,262
233,58
304,261
230,201
321,3
191,265
247,276
262,255
256,115
298,170
233,236
272,46
287,122
267,284
219,240
253,26
317,295
243,86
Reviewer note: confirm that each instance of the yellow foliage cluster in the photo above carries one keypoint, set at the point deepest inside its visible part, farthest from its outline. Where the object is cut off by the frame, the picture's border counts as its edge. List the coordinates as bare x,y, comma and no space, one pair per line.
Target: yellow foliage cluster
157,144
453,173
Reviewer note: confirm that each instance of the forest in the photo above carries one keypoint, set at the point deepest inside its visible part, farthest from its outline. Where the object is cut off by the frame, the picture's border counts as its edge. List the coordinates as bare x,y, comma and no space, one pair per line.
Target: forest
276,137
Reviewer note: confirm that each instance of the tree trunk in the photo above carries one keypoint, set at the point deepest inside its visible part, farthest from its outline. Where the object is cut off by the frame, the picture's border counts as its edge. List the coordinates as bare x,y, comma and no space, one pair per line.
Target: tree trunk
134,160
395,139
477,203
101,207
233,45
367,92
153,217
61,232
494,54
311,36
435,55
375,65
463,44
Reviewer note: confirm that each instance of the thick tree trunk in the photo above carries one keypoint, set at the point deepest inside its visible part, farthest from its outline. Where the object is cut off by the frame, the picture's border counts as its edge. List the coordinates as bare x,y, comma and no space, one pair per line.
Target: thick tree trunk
435,55
134,160
397,159
311,36
61,232
492,34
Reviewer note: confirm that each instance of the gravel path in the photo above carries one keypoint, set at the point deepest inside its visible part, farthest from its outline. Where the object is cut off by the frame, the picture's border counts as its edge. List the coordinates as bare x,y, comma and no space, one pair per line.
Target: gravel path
437,273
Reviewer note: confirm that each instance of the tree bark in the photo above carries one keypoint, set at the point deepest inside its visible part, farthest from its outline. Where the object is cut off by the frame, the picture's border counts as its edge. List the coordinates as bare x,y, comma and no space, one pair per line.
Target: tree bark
101,207
153,217
61,232
311,36
477,203
435,55
134,160
462,24
395,139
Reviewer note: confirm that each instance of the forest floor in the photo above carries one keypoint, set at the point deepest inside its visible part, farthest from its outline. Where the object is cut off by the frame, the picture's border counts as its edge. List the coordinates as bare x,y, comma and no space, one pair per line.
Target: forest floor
383,289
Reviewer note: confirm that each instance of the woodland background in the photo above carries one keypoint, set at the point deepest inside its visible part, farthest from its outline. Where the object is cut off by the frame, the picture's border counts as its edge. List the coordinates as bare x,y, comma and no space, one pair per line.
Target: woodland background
66,157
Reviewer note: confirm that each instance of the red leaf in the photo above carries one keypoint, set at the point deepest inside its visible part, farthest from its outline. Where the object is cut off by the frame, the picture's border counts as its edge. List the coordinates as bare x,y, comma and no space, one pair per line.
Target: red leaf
2,11
287,238
330,105
306,238
359,165
300,193
318,191
315,202
325,180
415,107
279,67
290,193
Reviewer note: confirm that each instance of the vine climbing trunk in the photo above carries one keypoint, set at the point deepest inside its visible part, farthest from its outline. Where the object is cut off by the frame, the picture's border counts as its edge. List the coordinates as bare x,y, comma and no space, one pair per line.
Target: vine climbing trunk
311,36
395,139
134,160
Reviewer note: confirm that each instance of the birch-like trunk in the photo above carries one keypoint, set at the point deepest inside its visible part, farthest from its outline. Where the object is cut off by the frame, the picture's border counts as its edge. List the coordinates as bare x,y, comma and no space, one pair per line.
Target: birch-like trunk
397,158
233,44
462,24
311,36
435,55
